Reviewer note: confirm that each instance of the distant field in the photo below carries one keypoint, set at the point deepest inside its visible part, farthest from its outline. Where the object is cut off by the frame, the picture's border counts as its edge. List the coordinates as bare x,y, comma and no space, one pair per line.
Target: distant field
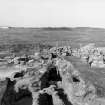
95,75
53,36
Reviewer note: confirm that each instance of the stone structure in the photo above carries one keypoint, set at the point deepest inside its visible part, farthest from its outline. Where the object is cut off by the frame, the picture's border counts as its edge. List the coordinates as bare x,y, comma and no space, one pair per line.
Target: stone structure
47,78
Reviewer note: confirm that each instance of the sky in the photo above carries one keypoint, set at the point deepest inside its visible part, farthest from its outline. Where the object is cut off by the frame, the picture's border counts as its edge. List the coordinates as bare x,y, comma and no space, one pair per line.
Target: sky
52,13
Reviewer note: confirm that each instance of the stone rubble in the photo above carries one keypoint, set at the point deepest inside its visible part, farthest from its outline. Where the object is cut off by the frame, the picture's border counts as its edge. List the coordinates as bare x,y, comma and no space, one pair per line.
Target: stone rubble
39,79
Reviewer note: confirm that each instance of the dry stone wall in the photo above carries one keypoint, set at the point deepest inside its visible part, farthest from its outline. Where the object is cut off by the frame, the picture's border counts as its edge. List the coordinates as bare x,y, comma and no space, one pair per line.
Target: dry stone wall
49,79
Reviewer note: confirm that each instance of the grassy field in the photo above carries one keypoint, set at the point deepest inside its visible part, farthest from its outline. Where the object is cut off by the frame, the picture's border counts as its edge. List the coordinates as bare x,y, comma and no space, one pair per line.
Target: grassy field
25,39
75,36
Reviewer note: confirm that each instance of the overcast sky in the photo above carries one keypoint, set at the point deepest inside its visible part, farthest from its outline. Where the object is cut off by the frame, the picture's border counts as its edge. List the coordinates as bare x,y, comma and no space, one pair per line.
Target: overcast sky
40,13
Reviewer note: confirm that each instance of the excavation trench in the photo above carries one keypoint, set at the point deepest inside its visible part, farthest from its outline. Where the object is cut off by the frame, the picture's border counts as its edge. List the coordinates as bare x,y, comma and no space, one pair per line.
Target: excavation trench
24,96
10,97
51,77
45,99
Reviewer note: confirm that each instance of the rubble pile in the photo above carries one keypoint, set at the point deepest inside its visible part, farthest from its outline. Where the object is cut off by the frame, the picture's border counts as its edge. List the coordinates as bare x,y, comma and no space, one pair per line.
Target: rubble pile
94,56
47,78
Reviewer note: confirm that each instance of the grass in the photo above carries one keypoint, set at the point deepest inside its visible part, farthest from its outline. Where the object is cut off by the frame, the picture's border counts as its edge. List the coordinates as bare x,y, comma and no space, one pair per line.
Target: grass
79,35
28,39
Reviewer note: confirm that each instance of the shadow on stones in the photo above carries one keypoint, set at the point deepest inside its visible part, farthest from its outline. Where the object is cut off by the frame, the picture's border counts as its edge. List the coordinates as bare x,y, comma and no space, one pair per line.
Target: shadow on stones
45,99
10,97
63,97
50,77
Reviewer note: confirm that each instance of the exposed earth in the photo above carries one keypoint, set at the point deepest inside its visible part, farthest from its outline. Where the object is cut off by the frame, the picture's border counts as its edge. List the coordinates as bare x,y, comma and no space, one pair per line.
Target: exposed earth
52,66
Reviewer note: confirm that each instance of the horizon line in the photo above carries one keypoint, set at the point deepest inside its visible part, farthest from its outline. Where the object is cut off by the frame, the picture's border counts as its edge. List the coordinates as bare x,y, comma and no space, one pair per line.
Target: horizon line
50,27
